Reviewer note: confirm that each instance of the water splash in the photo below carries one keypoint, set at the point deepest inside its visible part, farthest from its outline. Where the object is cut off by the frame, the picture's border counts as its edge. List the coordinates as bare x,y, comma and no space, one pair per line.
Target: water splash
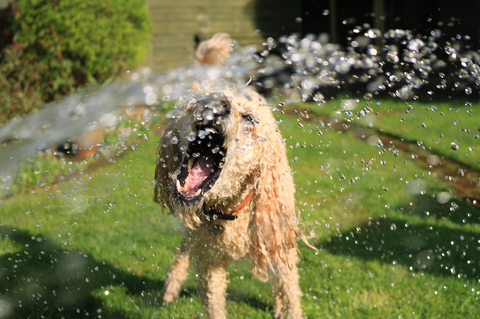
305,69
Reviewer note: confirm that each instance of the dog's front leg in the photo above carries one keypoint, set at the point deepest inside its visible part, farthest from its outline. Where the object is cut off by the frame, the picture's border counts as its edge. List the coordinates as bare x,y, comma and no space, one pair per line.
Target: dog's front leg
213,286
287,290
177,274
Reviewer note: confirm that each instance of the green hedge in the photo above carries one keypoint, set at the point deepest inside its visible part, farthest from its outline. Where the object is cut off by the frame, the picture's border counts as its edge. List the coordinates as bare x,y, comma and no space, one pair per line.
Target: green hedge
74,42
19,82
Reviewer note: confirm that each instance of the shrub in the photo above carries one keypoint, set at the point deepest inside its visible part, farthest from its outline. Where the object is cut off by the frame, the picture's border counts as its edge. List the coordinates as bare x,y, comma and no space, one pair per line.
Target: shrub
19,82
74,42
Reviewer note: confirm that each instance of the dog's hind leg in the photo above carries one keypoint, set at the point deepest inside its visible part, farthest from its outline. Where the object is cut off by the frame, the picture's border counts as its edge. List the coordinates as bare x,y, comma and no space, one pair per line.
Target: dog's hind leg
177,274
287,291
213,286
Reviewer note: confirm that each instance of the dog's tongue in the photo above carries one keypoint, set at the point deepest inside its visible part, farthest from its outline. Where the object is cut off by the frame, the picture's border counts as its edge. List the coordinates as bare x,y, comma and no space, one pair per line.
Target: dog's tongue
197,174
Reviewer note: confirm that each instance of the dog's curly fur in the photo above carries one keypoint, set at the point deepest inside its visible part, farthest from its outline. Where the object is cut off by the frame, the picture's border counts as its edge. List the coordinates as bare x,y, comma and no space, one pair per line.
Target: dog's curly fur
255,184
214,51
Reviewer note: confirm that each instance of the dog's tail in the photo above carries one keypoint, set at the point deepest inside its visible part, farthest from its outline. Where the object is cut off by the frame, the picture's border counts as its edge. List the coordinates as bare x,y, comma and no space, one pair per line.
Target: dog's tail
214,51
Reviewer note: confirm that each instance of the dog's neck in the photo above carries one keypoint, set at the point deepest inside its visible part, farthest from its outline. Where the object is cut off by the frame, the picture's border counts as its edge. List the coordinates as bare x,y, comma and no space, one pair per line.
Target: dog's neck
232,213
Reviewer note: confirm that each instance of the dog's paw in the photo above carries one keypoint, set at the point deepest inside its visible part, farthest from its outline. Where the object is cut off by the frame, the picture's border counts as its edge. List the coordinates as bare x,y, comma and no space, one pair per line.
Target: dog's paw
171,290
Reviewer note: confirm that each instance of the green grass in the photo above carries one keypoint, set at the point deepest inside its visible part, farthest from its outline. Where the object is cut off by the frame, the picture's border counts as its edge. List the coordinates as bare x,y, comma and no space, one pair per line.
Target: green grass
435,125
98,244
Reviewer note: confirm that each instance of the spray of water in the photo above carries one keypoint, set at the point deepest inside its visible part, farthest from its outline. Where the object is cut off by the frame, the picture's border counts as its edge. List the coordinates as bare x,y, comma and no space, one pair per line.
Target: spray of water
304,68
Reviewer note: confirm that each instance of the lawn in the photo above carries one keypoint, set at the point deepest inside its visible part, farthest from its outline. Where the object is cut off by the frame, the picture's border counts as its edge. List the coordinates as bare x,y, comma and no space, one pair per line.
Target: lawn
393,241
448,128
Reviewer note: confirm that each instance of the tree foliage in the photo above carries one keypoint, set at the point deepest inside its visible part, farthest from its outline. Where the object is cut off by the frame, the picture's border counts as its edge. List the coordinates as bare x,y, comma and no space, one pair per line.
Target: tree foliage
69,43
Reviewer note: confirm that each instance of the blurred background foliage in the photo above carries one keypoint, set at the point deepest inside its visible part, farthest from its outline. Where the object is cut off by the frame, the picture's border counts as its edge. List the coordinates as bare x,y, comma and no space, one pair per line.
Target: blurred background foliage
53,47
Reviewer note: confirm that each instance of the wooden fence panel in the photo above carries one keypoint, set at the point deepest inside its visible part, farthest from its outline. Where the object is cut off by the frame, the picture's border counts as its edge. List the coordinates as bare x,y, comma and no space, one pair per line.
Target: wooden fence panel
176,23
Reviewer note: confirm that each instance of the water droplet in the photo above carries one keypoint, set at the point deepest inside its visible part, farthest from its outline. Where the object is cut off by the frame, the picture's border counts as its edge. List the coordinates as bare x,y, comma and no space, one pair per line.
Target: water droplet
443,197
191,136
393,226
454,146
79,203
373,140
415,45
318,97
424,259
433,159
151,98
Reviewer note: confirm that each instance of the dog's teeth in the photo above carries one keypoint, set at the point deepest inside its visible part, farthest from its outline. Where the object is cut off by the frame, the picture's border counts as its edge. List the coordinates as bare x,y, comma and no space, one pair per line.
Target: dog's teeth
178,184
190,163
198,192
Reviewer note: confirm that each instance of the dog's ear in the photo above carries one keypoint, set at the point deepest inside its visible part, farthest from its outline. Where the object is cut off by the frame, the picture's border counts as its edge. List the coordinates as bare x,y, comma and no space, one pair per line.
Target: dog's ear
168,161
273,225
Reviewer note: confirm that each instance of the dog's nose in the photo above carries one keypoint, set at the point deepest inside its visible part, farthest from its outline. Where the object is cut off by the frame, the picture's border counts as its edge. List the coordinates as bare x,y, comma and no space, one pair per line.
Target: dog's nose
211,108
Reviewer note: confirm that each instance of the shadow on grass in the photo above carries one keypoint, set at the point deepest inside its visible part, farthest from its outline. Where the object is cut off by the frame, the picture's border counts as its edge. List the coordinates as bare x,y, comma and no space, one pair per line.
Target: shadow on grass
44,279
253,302
440,250
457,212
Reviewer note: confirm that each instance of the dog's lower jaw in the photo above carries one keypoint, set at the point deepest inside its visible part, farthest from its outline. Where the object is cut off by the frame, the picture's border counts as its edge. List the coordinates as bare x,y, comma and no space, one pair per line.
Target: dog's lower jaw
186,211
182,205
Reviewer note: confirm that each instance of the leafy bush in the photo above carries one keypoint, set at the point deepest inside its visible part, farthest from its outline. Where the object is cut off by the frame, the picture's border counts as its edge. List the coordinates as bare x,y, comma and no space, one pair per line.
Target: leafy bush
69,43
19,82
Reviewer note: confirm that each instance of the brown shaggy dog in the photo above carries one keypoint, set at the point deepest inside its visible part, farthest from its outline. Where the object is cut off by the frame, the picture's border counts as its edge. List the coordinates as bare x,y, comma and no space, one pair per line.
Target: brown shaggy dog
222,168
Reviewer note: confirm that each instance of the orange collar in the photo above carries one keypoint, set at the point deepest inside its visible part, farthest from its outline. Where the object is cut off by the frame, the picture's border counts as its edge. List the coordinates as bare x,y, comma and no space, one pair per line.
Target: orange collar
235,210
232,215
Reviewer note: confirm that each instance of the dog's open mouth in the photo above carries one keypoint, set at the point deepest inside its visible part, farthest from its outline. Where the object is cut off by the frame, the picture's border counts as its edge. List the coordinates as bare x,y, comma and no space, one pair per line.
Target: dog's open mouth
201,167
205,156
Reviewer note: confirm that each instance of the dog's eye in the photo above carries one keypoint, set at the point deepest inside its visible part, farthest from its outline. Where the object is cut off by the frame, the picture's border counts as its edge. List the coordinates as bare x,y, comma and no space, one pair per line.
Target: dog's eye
250,118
